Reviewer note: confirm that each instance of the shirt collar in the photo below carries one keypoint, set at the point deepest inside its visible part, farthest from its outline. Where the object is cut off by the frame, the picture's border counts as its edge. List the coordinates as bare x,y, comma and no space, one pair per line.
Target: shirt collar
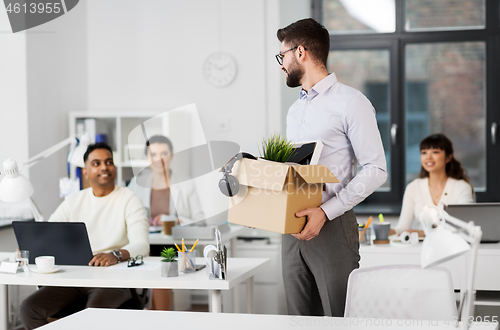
322,86
303,94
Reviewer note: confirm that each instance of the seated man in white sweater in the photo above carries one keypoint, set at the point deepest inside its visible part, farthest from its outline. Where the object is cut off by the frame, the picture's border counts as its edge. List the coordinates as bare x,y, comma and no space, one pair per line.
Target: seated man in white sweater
118,229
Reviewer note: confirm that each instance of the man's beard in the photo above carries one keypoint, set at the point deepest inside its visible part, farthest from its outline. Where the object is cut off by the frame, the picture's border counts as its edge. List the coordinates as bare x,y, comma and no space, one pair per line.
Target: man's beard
295,73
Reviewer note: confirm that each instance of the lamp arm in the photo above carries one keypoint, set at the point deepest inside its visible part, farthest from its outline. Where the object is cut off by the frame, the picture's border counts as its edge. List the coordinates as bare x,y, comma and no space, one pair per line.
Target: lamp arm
470,295
36,212
44,154
468,230
472,234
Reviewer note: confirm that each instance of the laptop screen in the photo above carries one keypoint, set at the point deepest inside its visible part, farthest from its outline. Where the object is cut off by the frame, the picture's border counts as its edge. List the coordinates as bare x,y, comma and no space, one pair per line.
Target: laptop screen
68,242
485,215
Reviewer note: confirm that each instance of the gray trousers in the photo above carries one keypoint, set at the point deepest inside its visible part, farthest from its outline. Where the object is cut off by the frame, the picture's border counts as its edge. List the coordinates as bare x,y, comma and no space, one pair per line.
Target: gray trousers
48,301
315,272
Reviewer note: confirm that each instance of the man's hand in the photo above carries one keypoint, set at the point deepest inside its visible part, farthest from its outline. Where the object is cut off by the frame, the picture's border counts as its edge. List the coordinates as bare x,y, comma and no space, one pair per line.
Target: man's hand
103,259
315,219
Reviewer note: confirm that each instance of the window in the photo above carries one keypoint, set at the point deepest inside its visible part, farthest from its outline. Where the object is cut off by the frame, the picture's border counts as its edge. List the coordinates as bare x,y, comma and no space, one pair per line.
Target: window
449,77
432,68
367,71
440,15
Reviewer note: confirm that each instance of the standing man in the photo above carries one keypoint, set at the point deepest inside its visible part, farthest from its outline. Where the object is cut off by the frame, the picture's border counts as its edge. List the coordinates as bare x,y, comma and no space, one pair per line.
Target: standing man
118,229
318,260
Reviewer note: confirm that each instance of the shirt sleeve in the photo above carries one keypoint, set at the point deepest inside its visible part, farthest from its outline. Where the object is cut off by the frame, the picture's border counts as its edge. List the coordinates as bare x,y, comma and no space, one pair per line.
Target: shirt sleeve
407,210
137,228
361,129
465,193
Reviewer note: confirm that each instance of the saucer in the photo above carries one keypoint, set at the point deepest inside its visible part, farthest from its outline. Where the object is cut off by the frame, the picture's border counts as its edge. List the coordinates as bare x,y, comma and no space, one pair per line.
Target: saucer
45,271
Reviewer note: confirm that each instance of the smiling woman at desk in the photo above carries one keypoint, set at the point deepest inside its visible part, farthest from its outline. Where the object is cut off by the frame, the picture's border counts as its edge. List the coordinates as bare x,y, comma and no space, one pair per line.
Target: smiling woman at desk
442,181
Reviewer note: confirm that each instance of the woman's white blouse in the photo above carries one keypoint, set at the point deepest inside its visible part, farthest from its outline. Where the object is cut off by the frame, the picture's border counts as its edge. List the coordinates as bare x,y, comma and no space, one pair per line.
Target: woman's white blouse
417,195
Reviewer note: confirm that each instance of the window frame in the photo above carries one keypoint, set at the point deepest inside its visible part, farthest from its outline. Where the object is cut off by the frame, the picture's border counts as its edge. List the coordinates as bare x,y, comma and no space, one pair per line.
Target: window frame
396,42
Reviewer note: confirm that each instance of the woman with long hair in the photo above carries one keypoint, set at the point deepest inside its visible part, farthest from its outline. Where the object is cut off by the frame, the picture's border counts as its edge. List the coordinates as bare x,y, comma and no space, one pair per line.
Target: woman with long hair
161,200
442,181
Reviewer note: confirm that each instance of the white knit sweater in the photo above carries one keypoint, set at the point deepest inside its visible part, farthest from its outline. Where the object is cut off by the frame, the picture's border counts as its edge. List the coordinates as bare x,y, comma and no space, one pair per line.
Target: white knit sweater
115,221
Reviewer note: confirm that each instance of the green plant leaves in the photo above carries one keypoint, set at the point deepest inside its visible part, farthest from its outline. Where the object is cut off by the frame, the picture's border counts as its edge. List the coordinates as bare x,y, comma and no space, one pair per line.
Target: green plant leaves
168,255
277,149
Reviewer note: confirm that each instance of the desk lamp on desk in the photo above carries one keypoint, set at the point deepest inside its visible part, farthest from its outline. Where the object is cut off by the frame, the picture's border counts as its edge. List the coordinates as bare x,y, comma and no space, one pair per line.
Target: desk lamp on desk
447,237
16,187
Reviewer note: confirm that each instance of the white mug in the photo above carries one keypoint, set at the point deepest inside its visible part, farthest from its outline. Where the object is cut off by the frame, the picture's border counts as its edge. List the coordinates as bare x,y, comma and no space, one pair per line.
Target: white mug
45,262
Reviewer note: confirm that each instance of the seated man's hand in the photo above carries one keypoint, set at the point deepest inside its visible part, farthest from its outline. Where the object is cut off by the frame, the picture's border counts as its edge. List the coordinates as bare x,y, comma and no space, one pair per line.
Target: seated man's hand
103,259
316,218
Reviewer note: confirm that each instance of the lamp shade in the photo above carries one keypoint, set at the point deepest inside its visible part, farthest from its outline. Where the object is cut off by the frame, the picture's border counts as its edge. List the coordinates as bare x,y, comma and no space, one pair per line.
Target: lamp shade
75,157
441,242
441,245
14,187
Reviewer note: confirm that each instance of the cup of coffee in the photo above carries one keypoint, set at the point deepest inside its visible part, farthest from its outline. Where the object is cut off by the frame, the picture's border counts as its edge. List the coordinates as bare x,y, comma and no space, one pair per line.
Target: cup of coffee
168,221
45,262
382,231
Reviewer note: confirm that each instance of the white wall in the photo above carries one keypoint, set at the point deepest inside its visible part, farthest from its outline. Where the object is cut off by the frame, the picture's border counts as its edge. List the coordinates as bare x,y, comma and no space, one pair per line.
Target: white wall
13,94
128,55
13,107
56,76
150,57
291,11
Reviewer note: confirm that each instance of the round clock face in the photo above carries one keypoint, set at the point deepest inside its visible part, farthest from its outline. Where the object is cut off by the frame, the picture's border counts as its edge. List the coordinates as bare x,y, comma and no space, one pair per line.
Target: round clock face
220,69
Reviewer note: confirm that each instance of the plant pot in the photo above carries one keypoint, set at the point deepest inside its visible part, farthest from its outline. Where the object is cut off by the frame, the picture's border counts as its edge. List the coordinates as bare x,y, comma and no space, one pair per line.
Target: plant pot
169,269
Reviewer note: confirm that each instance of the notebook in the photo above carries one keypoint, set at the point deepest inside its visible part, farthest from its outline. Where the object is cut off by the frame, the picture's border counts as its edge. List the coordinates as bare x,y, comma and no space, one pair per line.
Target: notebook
68,242
486,215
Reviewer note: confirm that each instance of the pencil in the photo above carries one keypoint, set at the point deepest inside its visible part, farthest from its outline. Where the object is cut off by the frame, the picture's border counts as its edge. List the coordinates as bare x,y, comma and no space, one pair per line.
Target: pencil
192,249
183,246
178,248
368,222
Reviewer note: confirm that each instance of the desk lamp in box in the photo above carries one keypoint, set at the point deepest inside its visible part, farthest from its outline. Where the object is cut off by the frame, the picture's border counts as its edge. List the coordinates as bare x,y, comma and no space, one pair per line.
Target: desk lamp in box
446,238
15,187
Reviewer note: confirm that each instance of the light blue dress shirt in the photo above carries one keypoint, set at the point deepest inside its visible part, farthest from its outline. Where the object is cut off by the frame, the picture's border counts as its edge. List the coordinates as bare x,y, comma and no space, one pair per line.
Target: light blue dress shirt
344,120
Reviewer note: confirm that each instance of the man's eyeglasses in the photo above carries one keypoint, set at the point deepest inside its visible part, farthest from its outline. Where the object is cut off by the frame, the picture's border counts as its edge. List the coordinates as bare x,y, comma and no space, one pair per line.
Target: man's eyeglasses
279,57
137,261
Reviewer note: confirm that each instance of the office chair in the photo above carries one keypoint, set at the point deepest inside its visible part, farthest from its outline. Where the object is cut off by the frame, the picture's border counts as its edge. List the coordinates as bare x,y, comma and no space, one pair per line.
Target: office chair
401,292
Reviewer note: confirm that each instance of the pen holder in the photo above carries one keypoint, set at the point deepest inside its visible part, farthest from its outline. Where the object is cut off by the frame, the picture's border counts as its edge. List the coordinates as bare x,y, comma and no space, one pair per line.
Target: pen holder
365,236
187,262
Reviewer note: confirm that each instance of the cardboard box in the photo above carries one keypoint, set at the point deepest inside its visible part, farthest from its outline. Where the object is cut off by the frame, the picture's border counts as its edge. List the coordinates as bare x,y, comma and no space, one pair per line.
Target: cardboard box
270,194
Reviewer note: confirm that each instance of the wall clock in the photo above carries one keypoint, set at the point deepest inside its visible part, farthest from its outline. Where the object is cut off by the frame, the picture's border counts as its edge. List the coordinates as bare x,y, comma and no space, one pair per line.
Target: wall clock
220,69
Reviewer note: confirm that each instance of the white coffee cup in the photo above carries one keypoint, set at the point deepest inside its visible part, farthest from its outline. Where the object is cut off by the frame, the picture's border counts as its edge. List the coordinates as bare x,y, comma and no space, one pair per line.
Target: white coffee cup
45,262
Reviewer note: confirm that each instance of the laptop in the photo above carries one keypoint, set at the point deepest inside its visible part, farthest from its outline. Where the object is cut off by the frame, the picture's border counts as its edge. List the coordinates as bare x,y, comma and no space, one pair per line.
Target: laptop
486,215
68,242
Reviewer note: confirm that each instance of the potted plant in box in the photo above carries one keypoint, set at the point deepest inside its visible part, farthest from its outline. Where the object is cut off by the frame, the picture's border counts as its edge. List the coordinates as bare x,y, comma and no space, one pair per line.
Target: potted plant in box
277,149
169,262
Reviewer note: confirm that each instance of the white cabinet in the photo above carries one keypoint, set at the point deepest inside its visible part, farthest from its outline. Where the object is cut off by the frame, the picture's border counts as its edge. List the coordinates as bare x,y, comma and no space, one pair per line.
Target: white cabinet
269,292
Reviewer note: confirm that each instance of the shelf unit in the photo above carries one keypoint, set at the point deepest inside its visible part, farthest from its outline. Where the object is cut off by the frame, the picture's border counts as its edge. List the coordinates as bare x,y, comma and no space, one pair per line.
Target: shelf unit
123,132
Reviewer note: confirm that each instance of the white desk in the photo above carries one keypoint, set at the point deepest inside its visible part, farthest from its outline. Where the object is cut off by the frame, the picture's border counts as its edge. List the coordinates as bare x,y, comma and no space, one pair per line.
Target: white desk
487,267
104,319
239,270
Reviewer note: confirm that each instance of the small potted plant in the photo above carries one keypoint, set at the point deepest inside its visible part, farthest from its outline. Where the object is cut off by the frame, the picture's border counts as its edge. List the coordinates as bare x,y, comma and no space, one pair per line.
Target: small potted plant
277,149
169,263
